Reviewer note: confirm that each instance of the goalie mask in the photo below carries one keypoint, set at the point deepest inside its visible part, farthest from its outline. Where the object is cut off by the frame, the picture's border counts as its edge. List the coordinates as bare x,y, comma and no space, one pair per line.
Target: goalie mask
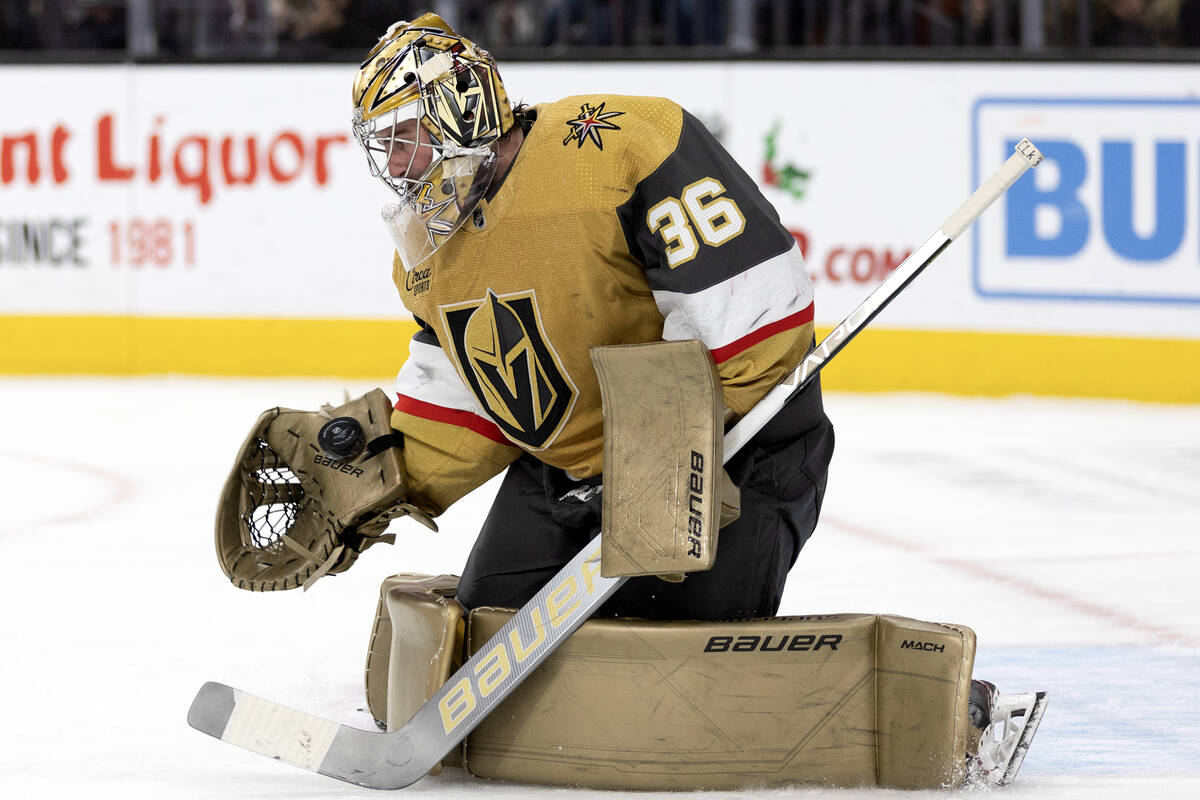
428,109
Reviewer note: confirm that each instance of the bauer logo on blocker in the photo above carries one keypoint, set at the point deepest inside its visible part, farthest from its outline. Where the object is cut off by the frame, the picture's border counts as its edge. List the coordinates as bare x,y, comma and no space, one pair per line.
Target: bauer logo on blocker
1112,214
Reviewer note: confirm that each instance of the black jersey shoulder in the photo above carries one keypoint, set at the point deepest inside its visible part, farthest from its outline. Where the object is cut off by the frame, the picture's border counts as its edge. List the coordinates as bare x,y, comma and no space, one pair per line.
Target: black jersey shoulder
695,156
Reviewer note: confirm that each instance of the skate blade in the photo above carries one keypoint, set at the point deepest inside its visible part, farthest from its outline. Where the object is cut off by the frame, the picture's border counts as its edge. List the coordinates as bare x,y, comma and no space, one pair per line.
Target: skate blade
1033,718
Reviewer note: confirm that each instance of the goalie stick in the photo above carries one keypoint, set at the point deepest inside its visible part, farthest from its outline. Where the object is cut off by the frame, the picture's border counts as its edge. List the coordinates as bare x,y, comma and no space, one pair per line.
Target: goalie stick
399,758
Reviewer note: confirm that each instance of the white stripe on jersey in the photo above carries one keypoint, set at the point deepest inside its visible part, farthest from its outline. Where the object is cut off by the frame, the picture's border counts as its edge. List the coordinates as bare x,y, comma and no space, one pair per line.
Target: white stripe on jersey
738,306
429,376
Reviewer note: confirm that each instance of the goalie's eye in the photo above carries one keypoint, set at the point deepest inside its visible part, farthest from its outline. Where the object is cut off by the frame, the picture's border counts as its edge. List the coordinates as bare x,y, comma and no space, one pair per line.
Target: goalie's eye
384,141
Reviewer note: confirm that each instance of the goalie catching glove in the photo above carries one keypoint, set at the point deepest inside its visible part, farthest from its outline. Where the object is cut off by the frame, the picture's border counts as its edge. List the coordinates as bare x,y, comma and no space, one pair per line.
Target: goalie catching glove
309,492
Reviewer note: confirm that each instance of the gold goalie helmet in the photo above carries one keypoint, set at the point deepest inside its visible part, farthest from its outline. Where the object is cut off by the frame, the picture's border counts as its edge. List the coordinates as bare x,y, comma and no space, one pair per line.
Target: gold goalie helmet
428,109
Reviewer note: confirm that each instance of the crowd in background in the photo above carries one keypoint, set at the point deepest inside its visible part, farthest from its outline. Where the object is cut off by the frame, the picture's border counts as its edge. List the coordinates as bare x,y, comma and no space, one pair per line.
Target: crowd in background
322,29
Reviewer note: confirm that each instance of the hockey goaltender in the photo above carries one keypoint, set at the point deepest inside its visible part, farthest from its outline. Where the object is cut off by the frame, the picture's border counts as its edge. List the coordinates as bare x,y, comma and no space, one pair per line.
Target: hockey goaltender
601,292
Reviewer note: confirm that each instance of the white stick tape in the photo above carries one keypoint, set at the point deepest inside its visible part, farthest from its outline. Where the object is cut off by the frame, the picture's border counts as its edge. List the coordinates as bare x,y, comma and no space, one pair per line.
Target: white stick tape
1026,156
279,732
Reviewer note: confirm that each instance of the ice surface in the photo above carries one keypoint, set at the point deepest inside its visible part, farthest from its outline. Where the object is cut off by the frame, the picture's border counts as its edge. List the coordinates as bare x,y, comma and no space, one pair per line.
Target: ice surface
1064,532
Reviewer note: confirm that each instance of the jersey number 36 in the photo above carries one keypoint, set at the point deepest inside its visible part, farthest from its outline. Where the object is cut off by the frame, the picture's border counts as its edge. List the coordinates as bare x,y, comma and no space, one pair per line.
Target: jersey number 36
700,211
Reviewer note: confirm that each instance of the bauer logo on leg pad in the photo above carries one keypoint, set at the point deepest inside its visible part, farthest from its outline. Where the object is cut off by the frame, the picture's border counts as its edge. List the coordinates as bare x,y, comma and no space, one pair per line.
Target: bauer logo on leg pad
772,644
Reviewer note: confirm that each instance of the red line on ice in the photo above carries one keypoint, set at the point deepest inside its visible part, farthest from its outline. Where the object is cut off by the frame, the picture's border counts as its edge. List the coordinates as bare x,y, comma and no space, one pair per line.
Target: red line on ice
120,488
1161,634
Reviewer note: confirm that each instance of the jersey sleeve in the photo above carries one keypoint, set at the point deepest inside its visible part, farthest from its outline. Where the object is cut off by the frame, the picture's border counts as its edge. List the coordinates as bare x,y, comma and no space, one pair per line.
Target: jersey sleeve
450,445
721,266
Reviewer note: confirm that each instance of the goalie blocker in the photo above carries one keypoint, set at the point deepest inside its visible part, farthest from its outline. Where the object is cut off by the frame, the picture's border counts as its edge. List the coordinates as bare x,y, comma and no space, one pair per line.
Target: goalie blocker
838,699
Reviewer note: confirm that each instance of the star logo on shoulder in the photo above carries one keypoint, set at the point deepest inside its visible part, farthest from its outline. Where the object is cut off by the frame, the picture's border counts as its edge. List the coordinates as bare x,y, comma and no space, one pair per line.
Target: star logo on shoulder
589,123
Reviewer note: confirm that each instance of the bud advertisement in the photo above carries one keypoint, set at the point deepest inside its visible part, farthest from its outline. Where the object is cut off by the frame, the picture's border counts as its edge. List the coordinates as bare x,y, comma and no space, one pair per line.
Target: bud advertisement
1109,221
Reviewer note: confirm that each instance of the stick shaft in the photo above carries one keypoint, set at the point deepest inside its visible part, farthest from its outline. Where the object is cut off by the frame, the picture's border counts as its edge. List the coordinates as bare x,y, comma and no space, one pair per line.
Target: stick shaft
1026,156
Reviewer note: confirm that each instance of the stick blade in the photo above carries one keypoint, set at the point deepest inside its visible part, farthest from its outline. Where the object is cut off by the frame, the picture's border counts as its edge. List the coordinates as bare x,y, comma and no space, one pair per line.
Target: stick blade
262,726
212,707
366,758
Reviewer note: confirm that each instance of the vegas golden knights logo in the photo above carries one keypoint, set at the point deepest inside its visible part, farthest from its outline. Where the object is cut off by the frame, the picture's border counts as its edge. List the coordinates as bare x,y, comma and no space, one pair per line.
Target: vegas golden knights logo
503,354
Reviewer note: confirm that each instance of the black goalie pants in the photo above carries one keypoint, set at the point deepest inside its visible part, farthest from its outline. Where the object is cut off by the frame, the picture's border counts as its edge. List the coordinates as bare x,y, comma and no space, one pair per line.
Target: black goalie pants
541,519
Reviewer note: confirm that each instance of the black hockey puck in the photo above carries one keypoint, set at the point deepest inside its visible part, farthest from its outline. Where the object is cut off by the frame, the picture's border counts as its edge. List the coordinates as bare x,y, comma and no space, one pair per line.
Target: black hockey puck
341,437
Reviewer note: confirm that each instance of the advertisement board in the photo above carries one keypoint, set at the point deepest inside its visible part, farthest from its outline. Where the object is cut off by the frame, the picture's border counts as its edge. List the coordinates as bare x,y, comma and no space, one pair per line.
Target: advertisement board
220,219
189,191
1108,221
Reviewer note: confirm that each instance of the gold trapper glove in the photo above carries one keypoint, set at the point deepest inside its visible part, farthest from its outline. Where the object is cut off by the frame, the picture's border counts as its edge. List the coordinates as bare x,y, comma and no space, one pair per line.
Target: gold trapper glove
309,492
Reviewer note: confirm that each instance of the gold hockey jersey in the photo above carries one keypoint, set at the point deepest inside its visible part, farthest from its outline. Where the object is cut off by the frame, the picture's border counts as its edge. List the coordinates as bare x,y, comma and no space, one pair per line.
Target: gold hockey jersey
621,220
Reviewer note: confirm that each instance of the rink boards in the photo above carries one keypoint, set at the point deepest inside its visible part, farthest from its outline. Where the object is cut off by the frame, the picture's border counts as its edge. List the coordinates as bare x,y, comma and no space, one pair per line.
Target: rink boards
219,219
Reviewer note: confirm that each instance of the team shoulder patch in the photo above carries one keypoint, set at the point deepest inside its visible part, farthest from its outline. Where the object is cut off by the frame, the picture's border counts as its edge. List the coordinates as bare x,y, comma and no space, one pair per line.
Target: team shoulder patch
588,125
509,364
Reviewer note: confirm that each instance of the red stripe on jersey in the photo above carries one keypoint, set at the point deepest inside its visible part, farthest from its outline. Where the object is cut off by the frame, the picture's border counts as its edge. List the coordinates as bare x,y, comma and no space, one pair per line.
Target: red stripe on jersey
801,317
452,416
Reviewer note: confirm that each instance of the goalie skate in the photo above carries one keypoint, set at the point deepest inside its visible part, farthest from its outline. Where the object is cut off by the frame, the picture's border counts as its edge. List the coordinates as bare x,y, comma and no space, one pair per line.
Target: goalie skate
1007,724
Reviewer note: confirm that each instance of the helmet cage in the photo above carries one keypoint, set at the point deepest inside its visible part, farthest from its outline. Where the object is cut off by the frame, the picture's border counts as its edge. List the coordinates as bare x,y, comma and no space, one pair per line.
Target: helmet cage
443,115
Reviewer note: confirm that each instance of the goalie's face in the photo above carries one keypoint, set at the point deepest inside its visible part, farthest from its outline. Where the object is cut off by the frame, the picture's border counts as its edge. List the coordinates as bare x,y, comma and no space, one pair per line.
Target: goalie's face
438,183
411,151
403,149
429,108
